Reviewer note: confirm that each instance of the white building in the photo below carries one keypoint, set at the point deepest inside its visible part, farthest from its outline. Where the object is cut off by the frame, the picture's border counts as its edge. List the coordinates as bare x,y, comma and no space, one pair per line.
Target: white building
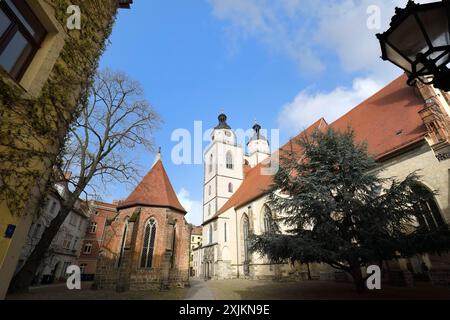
65,247
406,129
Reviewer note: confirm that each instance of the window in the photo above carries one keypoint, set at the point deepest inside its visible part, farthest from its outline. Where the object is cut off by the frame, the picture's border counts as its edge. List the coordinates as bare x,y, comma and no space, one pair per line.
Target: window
209,190
53,207
246,231
93,227
37,230
83,268
149,244
174,243
87,248
73,219
122,245
225,232
74,247
229,160
21,35
268,220
230,187
209,209
211,158
67,242
428,211
210,234
80,224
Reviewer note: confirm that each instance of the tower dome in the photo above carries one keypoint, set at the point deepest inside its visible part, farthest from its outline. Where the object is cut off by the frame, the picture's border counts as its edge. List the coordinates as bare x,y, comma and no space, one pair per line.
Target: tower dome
258,143
222,132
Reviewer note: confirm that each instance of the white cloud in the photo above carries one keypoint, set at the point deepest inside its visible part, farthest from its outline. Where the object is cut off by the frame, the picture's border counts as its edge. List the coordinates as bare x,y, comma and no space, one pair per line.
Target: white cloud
309,106
273,22
193,207
308,31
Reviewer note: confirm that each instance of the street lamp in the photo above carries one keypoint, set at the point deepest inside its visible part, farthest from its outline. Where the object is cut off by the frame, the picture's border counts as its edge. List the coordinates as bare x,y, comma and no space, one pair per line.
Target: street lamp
418,41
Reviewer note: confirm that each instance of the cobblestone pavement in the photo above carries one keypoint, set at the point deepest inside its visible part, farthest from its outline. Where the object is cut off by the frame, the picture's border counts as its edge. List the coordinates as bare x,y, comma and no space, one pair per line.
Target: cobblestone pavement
241,290
317,290
199,291
60,292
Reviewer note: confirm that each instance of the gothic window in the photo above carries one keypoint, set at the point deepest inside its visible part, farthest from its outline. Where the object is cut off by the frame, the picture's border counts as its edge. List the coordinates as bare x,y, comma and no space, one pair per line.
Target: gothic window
149,244
230,187
229,160
225,232
246,231
122,245
21,34
210,234
174,243
268,220
428,211
211,158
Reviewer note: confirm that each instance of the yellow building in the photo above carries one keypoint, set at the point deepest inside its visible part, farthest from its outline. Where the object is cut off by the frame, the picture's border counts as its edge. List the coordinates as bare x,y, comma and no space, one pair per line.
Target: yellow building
49,50
196,243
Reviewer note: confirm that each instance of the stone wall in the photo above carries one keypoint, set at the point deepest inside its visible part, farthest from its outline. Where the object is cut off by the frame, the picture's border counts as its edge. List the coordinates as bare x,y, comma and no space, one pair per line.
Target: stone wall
167,271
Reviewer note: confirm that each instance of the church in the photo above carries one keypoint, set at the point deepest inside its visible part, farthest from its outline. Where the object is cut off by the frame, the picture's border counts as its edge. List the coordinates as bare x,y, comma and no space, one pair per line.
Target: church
146,245
406,129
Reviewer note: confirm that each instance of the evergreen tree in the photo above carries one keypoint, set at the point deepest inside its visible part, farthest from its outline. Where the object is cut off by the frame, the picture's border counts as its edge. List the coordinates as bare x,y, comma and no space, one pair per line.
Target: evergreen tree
337,210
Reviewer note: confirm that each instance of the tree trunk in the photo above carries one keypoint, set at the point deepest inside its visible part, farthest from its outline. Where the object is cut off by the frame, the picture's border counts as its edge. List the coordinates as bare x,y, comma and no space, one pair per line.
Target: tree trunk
23,279
358,279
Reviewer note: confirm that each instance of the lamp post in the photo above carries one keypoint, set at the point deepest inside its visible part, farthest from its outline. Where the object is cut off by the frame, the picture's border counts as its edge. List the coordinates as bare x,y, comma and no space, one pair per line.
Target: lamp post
418,41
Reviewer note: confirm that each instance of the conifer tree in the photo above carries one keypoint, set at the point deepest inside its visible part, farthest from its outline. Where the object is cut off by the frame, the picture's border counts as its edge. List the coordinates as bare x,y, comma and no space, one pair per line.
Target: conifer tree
335,209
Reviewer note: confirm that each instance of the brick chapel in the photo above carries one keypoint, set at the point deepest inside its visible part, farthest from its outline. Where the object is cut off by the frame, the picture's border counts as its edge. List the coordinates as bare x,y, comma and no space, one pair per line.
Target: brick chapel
146,245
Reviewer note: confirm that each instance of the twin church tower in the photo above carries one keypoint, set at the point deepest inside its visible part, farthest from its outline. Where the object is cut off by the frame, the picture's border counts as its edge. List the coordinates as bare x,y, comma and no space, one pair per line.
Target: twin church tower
226,163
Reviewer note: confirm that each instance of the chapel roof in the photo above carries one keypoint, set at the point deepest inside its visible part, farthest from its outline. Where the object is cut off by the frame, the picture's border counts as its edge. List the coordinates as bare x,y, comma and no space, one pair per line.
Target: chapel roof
155,190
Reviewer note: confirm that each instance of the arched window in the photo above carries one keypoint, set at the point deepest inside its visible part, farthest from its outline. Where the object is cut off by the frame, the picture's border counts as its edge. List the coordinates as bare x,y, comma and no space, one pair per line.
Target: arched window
246,243
268,219
246,231
209,190
124,240
211,158
230,187
148,246
209,209
229,160
210,234
429,215
225,232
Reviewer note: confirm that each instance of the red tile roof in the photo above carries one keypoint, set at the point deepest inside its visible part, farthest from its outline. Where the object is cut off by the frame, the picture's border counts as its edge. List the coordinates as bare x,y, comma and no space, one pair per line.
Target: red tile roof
154,190
197,231
388,121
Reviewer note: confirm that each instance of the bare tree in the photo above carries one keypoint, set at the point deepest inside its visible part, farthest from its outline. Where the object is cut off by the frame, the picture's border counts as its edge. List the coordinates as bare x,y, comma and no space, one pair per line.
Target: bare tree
115,119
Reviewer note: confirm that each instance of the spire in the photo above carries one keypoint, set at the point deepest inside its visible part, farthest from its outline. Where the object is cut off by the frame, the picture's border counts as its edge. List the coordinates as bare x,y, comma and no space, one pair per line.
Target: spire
158,156
222,122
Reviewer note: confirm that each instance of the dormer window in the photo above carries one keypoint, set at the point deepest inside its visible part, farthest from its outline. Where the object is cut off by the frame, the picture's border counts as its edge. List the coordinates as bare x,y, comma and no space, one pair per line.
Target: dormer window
21,35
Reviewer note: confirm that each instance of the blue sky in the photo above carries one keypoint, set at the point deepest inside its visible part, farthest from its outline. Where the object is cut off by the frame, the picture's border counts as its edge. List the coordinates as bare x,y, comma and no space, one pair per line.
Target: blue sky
285,63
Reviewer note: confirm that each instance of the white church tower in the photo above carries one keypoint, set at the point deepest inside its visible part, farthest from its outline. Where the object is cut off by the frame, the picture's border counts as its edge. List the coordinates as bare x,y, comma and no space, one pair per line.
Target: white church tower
223,168
257,147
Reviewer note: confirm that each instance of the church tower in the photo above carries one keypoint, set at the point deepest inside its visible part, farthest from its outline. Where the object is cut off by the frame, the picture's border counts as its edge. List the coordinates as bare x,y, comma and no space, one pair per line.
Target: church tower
257,147
223,168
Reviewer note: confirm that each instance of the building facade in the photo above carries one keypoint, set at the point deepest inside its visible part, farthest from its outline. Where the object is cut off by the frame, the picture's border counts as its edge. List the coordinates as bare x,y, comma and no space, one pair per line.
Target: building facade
196,243
44,70
65,247
147,244
100,215
406,129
